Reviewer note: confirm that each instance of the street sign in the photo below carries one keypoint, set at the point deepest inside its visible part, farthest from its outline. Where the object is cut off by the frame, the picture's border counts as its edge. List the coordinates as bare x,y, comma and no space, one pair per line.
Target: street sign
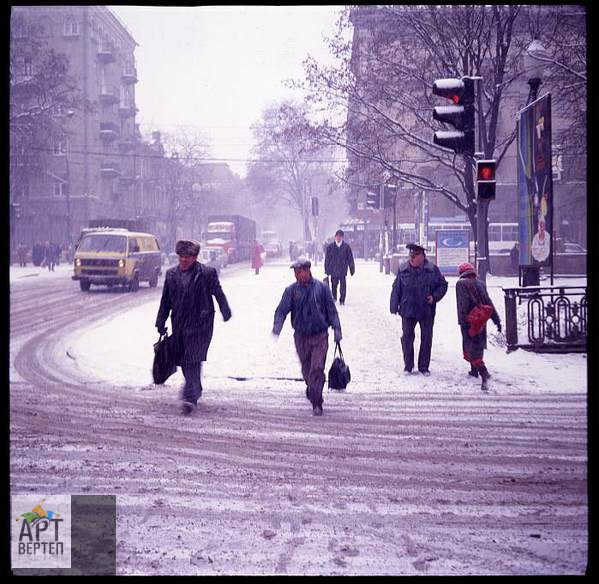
452,249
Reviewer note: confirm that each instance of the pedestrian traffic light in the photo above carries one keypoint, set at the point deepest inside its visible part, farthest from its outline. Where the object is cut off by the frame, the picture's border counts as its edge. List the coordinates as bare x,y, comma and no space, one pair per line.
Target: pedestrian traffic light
390,192
460,115
485,179
373,200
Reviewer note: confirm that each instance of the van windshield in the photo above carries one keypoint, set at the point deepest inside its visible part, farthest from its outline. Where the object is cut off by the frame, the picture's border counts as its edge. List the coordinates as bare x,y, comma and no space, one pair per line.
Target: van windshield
103,242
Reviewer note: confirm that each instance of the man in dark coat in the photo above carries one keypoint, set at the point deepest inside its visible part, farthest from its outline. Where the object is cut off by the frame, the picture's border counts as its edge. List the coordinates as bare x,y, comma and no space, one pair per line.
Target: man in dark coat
312,313
417,288
187,296
515,258
338,258
469,292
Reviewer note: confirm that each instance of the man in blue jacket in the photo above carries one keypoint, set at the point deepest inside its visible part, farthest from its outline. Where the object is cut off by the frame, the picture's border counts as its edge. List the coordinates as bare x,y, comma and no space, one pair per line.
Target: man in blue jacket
417,288
312,312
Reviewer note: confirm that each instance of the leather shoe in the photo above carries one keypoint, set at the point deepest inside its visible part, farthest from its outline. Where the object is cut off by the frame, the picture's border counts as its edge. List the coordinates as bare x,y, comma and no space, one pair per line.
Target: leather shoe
317,410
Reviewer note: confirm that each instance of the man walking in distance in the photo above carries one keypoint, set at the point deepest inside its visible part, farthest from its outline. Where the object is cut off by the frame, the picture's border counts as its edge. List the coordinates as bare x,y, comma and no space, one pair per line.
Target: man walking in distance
187,296
337,259
417,288
312,312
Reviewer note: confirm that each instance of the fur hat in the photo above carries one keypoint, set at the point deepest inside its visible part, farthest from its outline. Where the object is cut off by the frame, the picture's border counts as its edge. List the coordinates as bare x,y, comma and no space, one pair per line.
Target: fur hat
185,247
301,263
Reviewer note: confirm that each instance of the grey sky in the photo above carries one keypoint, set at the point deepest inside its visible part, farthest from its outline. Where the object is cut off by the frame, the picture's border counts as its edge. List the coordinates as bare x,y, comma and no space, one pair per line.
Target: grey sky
215,68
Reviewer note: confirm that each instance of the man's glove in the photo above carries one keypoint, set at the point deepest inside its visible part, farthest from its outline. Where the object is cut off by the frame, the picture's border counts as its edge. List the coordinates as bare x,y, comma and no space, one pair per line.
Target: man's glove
338,335
499,328
227,316
162,330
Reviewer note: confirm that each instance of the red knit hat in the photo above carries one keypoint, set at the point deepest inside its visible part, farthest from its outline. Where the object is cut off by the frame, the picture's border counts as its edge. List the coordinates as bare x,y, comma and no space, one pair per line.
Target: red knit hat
466,267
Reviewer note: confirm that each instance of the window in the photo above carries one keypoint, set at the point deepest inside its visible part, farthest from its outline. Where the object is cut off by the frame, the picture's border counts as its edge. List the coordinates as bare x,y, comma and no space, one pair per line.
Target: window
59,188
19,30
71,27
60,146
494,232
557,163
510,233
27,67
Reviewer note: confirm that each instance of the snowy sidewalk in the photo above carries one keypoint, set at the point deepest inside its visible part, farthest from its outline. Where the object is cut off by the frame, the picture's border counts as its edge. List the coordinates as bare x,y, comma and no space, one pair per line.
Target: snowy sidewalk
119,350
19,274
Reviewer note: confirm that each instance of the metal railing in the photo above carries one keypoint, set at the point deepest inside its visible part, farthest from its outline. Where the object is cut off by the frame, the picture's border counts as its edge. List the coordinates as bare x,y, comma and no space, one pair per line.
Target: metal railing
555,317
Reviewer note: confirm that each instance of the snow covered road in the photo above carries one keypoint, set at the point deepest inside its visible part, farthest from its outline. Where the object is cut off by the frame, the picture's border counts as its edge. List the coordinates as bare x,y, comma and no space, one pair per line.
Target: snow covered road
402,475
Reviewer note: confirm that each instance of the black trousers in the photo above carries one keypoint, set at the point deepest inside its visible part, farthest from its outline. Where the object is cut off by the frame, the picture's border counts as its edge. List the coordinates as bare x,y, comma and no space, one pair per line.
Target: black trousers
426,341
342,288
192,389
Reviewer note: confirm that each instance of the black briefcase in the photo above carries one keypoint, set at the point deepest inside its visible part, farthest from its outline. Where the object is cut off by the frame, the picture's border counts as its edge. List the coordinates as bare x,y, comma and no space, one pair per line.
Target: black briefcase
339,375
164,359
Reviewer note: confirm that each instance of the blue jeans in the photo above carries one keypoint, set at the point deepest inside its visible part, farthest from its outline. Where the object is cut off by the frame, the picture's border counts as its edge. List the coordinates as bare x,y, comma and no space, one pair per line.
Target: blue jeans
192,389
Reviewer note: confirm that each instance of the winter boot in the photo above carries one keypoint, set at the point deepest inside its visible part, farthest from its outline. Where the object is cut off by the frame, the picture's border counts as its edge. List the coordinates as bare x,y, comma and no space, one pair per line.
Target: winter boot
473,371
485,375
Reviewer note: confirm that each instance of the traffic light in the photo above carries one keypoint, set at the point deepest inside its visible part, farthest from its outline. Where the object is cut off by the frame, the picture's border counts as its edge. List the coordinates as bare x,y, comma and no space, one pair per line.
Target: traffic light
373,200
390,191
485,179
460,115
315,206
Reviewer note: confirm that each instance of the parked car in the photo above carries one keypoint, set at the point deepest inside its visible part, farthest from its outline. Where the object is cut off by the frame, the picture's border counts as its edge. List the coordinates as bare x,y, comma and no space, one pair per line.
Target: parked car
573,248
221,255
210,257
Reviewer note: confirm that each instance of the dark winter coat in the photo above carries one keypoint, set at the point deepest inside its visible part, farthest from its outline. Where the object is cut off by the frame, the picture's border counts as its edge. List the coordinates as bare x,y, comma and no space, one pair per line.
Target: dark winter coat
338,259
411,287
312,309
466,290
192,310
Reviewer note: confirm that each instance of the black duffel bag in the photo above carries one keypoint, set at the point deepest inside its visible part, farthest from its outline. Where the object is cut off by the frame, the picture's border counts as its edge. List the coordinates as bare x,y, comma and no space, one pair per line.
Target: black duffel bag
339,375
164,359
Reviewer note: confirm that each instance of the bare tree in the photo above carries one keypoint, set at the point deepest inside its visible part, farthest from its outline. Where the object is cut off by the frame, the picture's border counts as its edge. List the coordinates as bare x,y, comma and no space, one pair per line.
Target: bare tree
287,159
384,80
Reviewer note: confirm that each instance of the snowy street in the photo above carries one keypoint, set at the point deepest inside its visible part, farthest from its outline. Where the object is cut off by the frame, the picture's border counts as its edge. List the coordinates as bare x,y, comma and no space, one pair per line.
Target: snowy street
403,474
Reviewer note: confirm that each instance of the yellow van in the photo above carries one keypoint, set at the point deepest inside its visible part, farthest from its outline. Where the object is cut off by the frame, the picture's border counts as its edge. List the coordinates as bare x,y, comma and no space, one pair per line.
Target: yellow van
111,256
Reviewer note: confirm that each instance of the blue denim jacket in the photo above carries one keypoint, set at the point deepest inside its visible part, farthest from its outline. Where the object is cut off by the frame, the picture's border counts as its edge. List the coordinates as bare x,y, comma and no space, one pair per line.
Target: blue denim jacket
312,309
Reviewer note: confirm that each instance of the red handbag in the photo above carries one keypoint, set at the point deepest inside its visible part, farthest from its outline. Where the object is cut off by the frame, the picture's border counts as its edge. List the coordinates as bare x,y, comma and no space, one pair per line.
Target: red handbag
477,318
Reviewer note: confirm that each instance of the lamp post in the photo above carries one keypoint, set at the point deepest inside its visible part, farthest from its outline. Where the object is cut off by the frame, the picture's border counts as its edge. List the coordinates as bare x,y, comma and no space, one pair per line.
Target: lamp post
69,224
534,66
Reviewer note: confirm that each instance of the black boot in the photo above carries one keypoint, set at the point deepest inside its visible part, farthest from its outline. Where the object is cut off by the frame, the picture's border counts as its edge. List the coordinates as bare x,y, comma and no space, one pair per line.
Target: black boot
473,371
485,375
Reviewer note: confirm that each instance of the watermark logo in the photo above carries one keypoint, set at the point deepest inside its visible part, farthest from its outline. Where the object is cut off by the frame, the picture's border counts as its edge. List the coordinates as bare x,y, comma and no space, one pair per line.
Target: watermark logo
41,533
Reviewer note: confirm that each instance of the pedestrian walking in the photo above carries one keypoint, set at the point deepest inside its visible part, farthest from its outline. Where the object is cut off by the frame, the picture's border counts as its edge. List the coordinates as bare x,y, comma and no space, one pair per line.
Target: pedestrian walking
416,290
22,254
37,254
470,292
187,296
257,252
338,258
49,258
312,313
515,258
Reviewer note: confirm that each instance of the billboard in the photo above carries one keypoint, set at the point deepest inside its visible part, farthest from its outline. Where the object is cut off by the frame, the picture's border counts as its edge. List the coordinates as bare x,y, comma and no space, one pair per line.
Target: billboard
535,183
452,249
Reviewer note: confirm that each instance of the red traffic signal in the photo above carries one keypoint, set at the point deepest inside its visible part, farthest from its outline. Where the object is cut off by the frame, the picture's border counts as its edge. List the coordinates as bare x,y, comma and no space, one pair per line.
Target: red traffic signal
485,179
460,115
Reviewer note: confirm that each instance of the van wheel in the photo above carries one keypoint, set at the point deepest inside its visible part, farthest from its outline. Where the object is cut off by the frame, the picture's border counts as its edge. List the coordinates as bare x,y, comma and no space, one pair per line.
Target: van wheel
153,281
134,285
84,285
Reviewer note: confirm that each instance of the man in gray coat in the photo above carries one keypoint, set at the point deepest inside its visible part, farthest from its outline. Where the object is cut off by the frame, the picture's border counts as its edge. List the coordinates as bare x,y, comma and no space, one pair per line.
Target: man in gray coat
187,296
338,258
312,312
417,288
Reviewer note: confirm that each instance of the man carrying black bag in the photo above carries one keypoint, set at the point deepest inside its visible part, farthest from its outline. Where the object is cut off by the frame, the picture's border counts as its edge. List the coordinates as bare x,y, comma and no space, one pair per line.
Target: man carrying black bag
312,313
164,359
187,296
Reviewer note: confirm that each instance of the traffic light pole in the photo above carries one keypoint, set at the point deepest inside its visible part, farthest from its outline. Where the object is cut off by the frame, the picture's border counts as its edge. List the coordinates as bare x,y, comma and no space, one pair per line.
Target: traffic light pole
482,211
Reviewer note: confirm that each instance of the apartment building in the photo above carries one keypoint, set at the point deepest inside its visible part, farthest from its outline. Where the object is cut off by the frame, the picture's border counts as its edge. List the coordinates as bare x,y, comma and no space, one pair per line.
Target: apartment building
89,170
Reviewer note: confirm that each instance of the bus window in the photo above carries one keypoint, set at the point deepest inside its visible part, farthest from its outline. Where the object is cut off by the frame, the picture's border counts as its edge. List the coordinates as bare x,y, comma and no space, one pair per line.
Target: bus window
494,232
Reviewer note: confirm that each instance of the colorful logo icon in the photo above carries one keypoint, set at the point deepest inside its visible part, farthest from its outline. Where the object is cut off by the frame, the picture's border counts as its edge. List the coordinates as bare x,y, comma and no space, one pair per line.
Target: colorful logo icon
37,514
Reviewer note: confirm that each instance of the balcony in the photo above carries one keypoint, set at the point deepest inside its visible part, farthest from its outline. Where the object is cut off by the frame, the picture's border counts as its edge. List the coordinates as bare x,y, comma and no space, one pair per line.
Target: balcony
109,131
110,169
126,110
106,53
130,75
109,94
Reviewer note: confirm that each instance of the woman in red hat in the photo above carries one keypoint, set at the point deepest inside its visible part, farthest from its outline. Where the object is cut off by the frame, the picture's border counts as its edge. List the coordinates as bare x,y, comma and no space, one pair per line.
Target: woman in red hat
470,291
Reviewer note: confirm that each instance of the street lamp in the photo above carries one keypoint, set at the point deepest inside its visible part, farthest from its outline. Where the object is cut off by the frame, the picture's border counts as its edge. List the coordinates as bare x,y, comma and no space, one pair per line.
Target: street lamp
69,114
534,67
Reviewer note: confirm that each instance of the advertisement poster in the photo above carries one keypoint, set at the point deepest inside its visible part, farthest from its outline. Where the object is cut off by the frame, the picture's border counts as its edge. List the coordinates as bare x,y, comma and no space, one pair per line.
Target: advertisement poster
535,184
452,249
